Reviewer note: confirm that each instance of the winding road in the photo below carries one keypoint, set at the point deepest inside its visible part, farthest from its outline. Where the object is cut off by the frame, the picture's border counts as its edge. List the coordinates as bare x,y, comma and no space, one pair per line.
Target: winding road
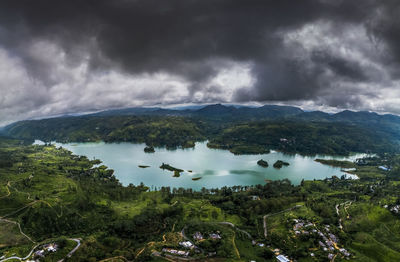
280,212
235,227
19,226
78,244
77,240
21,258
345,206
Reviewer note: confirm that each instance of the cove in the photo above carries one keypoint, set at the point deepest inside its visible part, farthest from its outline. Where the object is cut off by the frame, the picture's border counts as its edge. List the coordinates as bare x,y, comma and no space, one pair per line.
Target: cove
215,168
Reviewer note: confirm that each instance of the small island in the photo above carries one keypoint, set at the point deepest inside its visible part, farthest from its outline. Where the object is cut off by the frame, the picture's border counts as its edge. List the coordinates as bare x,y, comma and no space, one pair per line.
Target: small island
262,163
177,171
170,168
143,166
149,149
196,178
279,164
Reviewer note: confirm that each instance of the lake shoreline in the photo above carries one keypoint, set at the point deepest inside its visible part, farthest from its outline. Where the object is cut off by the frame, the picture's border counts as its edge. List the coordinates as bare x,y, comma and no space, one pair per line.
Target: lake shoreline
217,168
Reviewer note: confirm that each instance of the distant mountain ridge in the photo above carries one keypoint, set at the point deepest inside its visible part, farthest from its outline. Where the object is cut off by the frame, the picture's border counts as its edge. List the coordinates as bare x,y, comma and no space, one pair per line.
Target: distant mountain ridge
254,113
387,124
215,111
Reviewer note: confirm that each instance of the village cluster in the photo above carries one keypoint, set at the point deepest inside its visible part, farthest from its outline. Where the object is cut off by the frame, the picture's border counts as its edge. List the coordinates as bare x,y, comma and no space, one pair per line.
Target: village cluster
198,236
328,241
394,209
43,251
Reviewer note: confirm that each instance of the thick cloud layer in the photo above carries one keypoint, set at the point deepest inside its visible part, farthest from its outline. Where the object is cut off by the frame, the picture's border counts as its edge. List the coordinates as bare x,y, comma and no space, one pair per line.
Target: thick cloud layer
71,56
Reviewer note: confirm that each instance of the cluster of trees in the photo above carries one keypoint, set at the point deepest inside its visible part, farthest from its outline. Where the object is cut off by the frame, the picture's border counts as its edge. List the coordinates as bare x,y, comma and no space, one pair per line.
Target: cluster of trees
248,137
302,137
171,132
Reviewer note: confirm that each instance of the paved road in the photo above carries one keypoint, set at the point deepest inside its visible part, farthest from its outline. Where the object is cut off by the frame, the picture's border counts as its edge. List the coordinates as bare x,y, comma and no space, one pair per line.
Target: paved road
21,258
345,206
238,229
19,226
280,212
78,244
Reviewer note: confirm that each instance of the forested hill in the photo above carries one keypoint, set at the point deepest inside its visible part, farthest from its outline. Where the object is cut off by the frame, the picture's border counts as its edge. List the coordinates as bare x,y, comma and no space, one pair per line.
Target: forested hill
241,130
171,132
212,112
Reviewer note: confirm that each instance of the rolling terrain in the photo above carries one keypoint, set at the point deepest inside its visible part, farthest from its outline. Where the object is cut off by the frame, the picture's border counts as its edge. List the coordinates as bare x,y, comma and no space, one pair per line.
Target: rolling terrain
242,130
50,196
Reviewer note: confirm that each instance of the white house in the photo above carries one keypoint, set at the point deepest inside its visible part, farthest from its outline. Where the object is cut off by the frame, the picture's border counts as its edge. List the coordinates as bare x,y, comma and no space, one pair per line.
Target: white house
282,258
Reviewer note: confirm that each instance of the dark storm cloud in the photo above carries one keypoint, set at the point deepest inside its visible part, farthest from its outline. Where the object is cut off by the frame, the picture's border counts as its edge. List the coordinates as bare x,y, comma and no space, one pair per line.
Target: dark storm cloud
155,35
194,39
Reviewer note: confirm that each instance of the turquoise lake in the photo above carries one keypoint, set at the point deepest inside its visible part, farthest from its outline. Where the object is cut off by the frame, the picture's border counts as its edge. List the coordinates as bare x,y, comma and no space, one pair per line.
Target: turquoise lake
217,168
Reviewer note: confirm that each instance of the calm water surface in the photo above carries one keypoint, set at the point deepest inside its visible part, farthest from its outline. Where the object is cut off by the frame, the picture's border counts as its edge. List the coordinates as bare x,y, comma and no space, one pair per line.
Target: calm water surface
217,168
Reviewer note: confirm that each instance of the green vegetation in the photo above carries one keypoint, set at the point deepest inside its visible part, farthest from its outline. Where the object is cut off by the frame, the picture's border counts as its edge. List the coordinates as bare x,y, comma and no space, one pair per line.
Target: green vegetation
55,196
279,164
149,149
170,168
302,137
176,171
336,163
171,132
262,163
247,136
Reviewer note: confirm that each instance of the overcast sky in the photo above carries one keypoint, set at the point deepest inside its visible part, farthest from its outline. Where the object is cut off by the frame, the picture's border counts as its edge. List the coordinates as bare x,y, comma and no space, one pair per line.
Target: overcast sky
72,56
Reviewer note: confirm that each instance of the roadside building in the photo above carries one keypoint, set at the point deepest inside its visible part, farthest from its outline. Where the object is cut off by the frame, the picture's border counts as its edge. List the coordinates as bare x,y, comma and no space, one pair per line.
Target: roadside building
215,236
198,236
186,244
282,258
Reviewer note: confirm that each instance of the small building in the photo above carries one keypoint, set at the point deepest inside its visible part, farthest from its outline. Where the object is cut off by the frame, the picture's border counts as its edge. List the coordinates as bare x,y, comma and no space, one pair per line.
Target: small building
384,168
51,247
198,236
186,244
297,226
39,253
395,209
282,258
183,253
176,252
255,197
215,236
344,252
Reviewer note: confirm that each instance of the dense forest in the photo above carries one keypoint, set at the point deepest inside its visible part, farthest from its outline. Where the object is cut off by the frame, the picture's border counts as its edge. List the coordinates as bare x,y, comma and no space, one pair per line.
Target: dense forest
56,197
253,131
301,137
171,132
